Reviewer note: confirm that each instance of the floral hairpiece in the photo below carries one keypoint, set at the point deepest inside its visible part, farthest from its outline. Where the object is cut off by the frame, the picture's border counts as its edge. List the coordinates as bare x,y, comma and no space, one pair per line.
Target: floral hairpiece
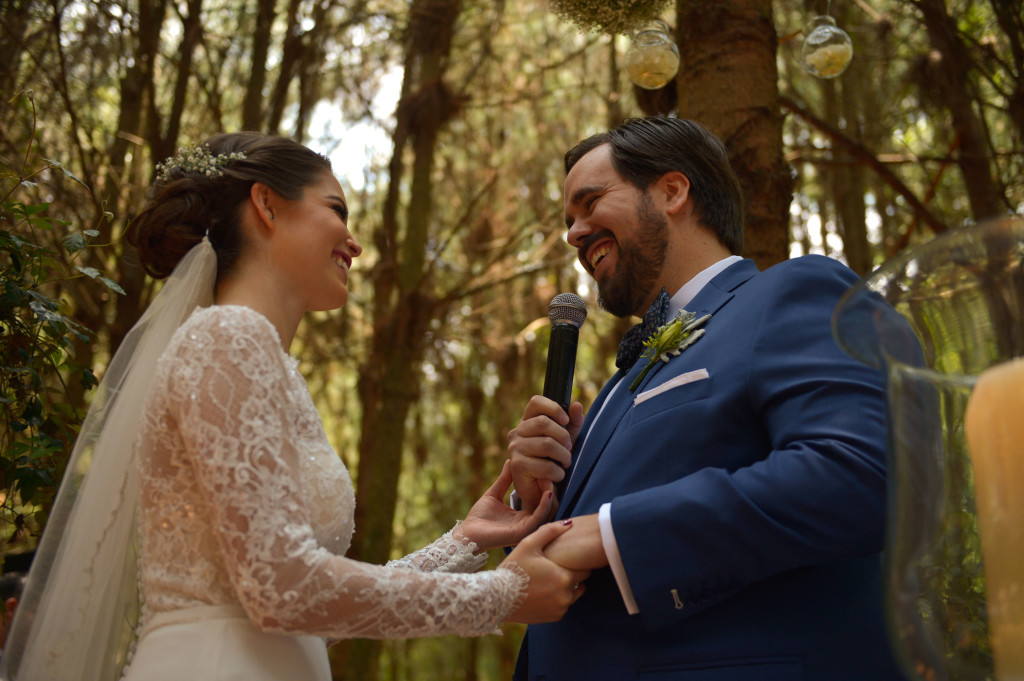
196,160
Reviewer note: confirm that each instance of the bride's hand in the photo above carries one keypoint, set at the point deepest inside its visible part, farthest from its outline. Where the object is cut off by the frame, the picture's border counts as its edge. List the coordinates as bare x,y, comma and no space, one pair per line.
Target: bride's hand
492,523
552,588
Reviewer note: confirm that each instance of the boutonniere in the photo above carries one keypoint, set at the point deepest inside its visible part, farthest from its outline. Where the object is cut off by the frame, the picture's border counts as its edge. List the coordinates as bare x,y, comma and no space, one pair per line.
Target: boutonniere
671,339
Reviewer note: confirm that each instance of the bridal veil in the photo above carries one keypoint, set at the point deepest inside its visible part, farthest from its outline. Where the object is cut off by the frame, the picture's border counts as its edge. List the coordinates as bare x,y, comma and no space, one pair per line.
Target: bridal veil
78,615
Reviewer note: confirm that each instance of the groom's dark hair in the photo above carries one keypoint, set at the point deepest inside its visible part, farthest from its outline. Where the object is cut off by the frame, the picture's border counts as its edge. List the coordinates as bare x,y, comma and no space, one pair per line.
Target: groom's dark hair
644,149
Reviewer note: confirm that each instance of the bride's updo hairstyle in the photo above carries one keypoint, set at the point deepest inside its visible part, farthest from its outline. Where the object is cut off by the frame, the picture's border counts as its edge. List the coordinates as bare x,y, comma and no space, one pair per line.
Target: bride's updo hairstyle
191,199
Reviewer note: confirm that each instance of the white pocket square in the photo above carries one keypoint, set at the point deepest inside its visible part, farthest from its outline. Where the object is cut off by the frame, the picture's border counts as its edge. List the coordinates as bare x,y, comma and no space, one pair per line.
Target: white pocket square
682,379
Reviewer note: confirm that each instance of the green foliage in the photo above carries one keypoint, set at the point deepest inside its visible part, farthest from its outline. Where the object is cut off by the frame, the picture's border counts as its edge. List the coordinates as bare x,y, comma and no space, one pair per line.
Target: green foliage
37,347
610,16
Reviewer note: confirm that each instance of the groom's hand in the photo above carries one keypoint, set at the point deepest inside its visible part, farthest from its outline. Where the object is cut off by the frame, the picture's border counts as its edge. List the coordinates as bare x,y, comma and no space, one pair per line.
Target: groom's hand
539,448
581,549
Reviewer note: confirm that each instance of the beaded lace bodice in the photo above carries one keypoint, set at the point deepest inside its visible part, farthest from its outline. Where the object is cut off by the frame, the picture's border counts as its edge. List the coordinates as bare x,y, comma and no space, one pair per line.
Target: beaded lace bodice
244,501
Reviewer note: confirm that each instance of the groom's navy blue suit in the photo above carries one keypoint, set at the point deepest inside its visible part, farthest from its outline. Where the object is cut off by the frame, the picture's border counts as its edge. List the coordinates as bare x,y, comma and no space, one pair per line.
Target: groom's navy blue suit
748,501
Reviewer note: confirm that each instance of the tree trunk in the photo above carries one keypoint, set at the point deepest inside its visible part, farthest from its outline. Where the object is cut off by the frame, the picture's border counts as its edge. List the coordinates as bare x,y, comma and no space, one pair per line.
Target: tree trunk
252,108
729,82
15,19
852,98
291,52
1012,23
138,103
953,83
403,304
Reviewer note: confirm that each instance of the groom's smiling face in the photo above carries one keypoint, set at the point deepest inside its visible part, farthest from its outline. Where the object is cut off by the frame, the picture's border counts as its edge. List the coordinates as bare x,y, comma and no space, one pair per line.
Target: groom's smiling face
620,237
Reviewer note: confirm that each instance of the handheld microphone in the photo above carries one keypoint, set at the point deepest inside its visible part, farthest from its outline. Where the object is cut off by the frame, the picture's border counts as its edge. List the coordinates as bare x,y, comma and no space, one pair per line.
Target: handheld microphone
567,311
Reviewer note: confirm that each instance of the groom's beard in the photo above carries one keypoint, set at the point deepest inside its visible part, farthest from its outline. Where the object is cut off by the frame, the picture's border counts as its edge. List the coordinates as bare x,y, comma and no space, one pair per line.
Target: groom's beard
640,259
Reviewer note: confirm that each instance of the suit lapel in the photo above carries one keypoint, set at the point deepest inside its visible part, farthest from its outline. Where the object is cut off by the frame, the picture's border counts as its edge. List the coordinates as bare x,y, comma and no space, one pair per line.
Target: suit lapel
709,300
598,434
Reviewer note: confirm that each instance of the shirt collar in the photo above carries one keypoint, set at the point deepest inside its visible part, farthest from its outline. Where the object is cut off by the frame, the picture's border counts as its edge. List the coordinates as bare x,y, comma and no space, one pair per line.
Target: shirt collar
691,288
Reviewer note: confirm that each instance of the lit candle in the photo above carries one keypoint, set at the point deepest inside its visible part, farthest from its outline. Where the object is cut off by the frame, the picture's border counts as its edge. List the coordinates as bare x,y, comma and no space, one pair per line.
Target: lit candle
994,425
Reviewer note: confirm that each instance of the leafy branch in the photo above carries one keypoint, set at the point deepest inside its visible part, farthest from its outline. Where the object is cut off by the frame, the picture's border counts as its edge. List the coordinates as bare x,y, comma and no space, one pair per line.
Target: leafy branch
38,336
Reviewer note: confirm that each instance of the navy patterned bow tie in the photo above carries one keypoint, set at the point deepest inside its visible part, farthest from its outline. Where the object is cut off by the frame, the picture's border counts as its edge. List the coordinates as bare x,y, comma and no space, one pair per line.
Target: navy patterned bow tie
632,344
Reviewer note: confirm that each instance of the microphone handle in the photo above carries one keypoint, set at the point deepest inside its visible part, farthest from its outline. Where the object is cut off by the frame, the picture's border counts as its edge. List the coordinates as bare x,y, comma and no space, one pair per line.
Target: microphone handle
561,364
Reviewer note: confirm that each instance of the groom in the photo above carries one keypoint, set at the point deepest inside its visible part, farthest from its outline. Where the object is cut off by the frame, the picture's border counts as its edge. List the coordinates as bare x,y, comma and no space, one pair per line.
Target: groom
736,491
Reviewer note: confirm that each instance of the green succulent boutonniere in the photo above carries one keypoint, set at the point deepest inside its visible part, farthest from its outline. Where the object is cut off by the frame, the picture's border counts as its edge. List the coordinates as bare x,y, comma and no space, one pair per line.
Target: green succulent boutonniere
671,339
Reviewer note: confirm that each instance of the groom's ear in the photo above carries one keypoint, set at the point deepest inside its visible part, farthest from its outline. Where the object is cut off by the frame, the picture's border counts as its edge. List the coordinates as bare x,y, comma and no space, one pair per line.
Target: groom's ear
674,189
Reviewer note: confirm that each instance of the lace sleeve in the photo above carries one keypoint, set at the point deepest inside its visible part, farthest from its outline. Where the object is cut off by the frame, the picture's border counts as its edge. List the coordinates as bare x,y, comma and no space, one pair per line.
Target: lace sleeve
448,553
235,428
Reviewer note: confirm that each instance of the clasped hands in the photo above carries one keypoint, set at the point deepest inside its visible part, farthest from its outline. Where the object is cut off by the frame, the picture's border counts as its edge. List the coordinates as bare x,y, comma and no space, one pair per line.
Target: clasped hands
558,556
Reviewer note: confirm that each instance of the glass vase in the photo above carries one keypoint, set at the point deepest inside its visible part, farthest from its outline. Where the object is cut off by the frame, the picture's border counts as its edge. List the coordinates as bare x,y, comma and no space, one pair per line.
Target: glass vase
935,319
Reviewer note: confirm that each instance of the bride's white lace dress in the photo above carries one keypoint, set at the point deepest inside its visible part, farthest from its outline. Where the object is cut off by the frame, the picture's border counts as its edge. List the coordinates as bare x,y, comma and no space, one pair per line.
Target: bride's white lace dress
246,513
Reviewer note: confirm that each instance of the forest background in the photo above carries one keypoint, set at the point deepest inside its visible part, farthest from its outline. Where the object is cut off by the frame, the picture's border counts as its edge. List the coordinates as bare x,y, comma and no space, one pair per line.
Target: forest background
447,121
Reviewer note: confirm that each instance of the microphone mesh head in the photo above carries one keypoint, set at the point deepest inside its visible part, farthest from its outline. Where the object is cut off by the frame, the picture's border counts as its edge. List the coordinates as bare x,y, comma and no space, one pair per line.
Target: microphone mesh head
567,308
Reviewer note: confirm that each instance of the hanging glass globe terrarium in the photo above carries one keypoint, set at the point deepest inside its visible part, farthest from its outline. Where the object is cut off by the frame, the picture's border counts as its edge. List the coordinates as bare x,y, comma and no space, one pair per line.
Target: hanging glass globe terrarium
652,60
827,49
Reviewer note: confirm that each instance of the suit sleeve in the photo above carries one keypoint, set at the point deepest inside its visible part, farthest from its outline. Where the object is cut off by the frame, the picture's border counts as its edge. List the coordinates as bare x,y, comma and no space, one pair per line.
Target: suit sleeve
814,495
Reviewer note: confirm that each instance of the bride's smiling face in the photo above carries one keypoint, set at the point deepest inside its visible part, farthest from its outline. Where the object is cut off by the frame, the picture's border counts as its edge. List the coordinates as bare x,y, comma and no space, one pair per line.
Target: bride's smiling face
318,249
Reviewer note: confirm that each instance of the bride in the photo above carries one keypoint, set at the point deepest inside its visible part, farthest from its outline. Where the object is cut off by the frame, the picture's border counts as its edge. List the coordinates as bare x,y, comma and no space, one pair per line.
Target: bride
201,527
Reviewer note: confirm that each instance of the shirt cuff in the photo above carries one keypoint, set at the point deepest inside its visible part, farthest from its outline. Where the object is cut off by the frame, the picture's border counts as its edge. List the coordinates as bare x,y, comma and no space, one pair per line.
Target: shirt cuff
611,550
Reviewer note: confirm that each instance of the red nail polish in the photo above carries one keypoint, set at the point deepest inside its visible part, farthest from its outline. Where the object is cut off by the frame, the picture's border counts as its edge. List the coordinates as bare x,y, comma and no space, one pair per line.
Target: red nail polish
567,521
